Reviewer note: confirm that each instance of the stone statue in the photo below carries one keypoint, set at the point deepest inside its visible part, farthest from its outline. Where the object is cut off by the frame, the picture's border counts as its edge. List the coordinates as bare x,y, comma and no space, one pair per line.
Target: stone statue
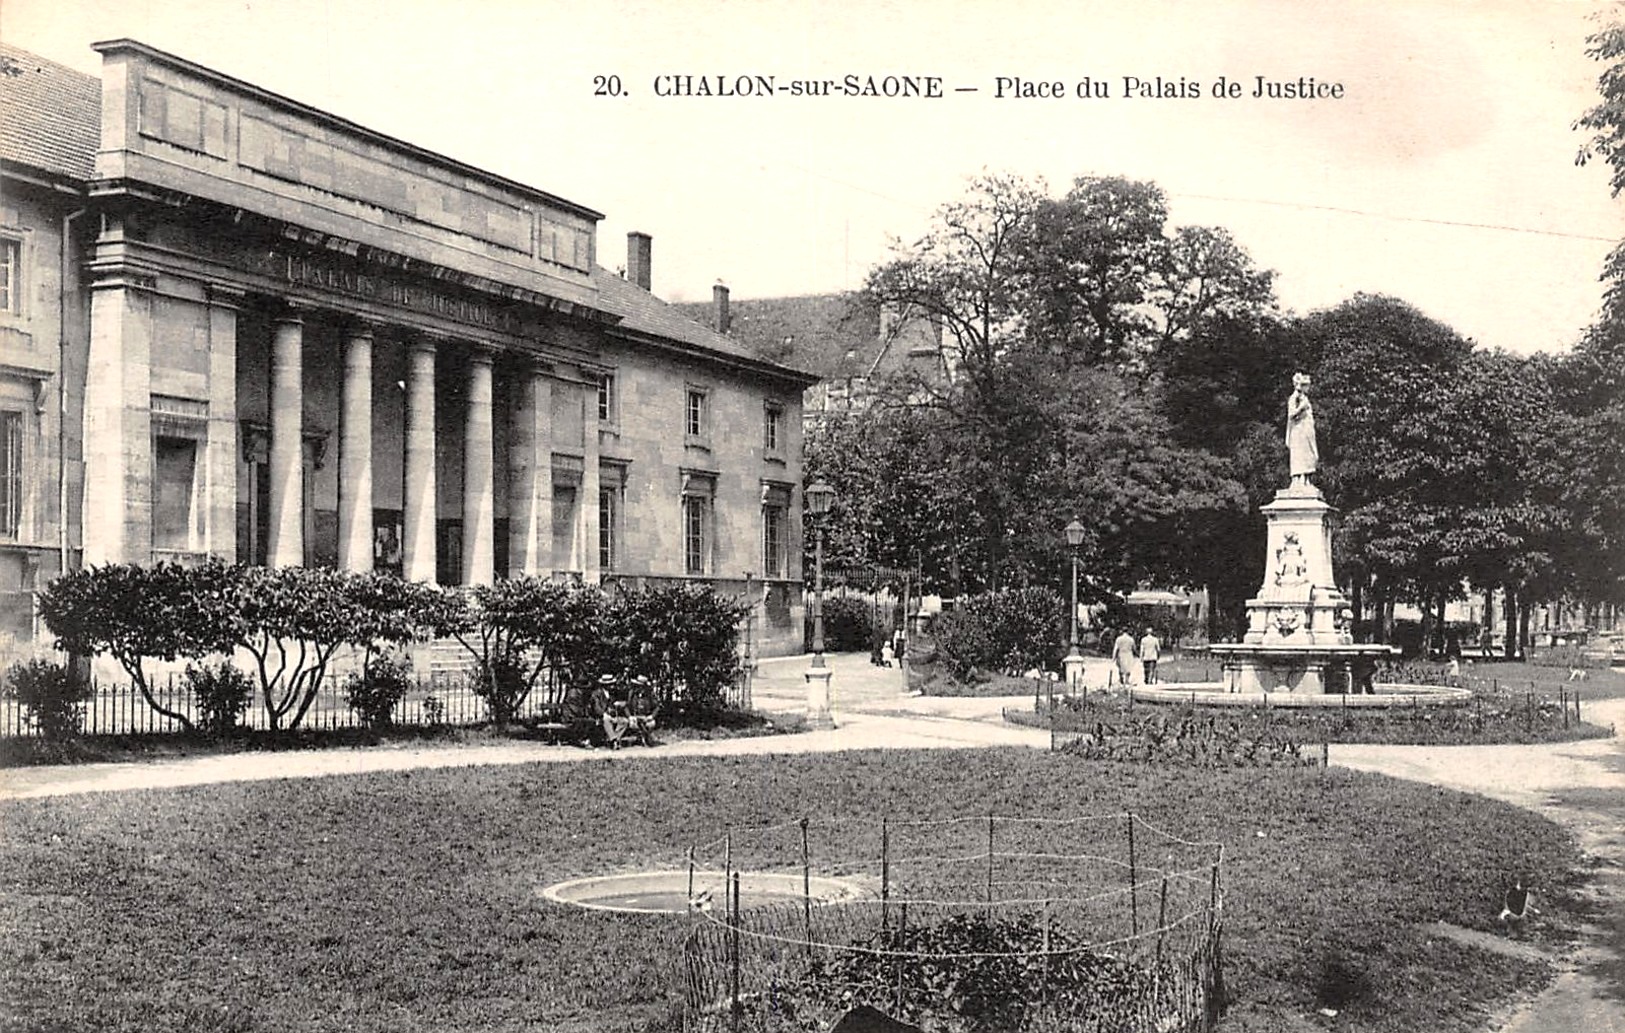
1303,454
1290,568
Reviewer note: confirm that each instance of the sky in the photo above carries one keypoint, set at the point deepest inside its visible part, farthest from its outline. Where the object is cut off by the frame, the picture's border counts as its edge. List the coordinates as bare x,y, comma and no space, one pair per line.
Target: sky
1445,174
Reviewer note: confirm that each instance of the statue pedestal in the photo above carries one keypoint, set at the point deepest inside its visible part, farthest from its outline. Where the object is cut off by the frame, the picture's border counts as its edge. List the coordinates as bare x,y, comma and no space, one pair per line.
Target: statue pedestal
1300,627
1299,602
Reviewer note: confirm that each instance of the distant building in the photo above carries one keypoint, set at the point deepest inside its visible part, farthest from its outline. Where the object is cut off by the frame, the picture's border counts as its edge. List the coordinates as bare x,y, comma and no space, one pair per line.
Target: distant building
848,341
235,326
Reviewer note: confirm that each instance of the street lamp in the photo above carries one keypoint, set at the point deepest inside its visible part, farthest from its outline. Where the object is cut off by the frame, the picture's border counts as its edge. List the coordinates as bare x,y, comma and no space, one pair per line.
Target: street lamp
1073,664
818,497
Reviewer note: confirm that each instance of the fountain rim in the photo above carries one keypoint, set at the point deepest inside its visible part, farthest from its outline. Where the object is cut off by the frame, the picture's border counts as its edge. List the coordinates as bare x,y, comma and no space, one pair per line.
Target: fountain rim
825,889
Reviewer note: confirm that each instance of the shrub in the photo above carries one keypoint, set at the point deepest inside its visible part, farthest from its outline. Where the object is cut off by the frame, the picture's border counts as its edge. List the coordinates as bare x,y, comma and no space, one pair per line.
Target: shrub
378,688
222,694
977,974
1010,631
849,624
502,680
53,696
1571,657
683,638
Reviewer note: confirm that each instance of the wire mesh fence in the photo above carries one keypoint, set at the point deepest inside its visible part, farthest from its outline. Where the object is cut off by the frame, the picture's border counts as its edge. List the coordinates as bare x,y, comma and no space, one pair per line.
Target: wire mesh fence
986,923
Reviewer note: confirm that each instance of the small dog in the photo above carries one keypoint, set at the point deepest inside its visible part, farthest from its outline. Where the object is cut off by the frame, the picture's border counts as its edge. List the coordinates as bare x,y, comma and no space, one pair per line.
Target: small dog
1518,904
1577,674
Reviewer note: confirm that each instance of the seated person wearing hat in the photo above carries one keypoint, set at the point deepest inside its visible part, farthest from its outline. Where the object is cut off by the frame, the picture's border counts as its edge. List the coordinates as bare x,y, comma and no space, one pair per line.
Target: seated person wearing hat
641,707
612,714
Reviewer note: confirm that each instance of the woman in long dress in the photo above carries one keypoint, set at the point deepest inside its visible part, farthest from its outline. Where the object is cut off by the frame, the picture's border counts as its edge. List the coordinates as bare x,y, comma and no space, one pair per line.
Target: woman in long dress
1303,455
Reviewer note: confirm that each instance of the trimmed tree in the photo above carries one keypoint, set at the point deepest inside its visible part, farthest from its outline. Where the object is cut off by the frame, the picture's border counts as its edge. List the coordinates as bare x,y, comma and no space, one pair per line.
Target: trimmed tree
519,627
292,620
135,614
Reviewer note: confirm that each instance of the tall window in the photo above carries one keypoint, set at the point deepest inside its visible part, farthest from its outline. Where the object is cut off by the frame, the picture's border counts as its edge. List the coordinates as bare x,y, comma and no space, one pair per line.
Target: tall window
11,472
773,428
606,398
174,479
10,260
695,417
609,513
696,534
773,541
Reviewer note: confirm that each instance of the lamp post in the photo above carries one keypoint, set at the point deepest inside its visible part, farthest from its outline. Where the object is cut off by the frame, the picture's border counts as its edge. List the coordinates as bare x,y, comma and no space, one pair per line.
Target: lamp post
818,496
1073,664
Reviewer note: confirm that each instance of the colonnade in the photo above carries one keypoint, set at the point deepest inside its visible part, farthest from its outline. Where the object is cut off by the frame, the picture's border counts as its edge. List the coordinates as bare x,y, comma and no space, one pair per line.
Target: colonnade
531,477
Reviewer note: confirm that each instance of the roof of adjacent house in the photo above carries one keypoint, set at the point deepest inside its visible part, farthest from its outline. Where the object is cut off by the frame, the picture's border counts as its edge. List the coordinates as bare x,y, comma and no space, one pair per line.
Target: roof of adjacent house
831,335
50,115
641,311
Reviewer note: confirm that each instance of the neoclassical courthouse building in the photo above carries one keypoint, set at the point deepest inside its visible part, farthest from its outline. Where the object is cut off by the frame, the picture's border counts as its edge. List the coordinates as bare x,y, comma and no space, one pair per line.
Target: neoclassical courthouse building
234,325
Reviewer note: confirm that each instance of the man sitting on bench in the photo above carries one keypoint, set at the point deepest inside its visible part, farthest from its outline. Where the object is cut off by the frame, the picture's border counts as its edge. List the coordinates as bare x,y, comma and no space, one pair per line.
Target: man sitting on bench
641,706
612,714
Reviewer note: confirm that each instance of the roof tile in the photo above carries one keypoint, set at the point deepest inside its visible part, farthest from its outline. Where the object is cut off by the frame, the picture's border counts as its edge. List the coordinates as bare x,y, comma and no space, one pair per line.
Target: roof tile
50,115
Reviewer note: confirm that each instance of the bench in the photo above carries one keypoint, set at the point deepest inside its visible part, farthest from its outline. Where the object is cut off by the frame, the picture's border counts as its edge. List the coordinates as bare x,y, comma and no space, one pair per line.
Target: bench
604,715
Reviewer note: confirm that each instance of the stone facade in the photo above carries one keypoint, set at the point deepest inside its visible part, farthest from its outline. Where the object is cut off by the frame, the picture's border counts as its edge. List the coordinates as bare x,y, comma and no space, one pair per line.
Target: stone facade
283,338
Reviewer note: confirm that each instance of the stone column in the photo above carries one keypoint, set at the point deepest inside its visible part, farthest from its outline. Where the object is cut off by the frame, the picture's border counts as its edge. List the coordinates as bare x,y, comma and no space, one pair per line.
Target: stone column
588,506
285,520
117,503
479,511
418,534
530,481
220,449
355,453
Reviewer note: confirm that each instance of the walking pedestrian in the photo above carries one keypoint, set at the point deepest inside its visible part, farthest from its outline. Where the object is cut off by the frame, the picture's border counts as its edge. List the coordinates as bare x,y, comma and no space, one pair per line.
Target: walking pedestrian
1150,650
1123,657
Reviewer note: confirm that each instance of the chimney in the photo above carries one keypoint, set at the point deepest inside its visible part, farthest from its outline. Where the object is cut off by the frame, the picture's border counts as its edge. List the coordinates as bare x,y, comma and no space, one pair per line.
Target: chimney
719,299
639,247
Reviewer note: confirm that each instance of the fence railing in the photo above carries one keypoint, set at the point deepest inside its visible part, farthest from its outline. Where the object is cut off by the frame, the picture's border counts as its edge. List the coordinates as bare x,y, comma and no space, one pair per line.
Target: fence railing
118,707
440,698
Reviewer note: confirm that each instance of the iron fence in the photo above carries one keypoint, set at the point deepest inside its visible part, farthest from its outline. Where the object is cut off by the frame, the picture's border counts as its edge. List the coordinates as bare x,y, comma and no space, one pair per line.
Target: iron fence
119,708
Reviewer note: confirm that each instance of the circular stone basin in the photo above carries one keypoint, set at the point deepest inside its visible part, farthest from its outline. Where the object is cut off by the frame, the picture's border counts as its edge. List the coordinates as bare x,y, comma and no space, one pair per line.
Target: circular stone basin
1215,694
666,892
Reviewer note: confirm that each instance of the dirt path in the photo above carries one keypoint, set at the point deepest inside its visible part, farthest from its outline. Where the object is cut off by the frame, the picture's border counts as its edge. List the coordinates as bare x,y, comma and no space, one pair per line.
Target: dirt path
1582,787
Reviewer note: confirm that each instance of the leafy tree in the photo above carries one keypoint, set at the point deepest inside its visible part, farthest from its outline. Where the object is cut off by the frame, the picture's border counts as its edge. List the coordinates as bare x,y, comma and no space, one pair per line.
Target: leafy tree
1591,394
292,620
683,638
903,496
517,628
1605,125
1105,281
1388,441
135,614
1051,306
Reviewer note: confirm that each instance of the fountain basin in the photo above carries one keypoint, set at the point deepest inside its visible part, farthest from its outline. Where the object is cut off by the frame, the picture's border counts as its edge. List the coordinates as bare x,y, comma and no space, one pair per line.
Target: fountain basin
1290,667
667,892
1218,694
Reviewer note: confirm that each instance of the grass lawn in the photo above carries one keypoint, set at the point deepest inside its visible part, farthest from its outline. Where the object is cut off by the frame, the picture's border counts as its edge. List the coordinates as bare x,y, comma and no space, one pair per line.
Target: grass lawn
407,901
